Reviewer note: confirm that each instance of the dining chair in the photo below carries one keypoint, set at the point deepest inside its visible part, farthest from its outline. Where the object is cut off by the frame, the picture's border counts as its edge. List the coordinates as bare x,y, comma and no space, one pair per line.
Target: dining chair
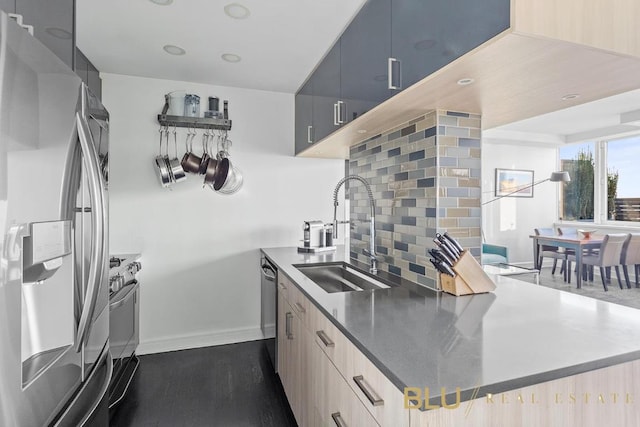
631,256
551,252
610,255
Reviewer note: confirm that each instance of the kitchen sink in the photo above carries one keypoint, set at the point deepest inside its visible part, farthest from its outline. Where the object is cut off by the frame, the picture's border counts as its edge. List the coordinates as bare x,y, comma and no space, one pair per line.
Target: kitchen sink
339,277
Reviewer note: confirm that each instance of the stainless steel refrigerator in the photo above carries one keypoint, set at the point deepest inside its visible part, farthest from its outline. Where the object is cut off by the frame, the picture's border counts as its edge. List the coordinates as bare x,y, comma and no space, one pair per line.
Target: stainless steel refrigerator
54,318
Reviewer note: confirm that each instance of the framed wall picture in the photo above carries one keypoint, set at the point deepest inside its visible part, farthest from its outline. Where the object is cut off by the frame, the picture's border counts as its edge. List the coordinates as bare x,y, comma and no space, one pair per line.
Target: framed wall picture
514,183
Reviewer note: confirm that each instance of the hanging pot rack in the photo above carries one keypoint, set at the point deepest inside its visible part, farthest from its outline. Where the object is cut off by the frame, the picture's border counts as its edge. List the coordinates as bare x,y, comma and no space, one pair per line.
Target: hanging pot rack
194,122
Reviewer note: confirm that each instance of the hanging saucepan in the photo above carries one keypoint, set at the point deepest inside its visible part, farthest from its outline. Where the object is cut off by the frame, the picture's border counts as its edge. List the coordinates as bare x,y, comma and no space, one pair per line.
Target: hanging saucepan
217,170
190,162
176,169
202,169
161,166
167,161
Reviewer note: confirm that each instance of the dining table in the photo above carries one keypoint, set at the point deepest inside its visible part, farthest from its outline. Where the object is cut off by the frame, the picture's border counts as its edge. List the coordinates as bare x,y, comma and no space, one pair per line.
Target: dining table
579,245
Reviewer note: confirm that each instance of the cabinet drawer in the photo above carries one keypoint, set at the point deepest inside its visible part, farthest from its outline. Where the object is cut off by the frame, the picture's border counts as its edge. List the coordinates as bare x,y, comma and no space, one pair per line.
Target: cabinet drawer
378,395
284,285
334,403
300,304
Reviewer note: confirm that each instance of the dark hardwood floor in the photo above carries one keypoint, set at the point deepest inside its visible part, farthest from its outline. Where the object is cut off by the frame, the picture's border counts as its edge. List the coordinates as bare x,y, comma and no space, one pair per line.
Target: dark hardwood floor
230,385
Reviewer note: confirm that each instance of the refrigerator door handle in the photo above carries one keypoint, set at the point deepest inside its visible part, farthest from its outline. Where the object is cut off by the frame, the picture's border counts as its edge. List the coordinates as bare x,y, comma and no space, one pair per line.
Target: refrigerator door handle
96,262
66,418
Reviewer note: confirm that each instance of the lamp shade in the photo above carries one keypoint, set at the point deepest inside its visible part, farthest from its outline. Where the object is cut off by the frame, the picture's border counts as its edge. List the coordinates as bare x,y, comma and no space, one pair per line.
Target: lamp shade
562,176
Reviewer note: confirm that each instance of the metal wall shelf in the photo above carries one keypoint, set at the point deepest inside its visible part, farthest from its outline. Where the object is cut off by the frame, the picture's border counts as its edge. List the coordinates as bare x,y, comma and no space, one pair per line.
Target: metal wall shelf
194,122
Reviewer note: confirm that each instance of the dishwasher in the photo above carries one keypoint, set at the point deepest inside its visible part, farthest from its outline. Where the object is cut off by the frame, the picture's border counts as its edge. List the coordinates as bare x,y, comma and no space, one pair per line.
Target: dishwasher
269,299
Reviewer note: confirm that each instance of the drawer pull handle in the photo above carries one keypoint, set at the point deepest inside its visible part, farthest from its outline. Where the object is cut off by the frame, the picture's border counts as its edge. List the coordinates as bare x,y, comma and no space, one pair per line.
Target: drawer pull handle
282,286
300,308
337,418
371,395
325,339
287,326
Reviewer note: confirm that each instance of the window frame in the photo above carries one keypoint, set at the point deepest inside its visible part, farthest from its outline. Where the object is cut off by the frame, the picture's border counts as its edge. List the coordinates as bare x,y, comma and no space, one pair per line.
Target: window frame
599,186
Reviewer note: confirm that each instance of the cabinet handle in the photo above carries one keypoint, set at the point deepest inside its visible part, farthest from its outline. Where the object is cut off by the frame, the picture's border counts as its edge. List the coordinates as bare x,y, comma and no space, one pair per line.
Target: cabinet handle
371,395
325,339
390,73
287,326
309,139
18,18
337,418
335,114
341,113
300,308
282,286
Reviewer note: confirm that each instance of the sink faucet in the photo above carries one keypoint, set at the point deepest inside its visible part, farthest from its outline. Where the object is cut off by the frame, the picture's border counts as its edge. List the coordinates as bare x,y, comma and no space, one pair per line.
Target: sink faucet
371,253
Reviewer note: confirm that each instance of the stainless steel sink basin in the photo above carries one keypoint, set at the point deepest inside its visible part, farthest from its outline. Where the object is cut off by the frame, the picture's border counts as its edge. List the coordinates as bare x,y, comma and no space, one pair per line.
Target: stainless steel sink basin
339,277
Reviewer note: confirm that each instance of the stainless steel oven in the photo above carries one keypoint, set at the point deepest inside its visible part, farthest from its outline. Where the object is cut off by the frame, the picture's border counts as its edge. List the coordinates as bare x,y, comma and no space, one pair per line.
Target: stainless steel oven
124,323
269,299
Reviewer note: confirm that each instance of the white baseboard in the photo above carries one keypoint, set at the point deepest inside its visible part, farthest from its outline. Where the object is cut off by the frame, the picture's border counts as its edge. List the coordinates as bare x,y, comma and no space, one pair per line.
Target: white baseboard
270,330
184,342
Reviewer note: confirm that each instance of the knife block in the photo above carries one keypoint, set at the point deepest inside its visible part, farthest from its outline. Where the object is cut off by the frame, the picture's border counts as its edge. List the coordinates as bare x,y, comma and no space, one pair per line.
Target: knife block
470,278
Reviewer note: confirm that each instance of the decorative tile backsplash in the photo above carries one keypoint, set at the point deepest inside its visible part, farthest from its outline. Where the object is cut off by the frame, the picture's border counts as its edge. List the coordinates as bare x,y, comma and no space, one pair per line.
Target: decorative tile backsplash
425,178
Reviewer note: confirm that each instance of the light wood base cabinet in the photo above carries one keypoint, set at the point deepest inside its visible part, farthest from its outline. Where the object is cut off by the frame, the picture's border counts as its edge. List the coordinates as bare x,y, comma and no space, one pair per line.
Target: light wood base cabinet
604,397
327,380
335,404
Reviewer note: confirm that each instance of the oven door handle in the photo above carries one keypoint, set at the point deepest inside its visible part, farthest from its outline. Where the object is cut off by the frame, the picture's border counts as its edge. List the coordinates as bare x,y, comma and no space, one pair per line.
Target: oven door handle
133,287
265,269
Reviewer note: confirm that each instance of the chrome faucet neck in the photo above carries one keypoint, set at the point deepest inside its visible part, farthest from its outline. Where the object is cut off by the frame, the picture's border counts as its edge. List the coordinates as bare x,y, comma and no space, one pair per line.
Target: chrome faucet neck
372,224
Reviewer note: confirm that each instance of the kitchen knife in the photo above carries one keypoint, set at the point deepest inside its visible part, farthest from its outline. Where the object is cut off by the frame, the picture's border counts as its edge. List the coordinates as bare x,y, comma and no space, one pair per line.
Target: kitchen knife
442,268
440,256
448,270
452,248
444,248
454,241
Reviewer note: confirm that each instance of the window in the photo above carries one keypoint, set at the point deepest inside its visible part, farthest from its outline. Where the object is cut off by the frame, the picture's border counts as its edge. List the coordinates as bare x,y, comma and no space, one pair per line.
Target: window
623,175
576,196
604,177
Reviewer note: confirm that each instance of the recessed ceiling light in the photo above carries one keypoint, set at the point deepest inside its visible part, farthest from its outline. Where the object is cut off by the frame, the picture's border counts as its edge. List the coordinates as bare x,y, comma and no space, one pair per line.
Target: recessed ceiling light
174,50
162,2
361,131
465,81
236,11
570,96
424,44
231,57
58,33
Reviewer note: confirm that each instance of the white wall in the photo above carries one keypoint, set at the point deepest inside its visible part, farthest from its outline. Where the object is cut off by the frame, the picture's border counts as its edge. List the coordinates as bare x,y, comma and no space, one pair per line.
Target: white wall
510,221
200,283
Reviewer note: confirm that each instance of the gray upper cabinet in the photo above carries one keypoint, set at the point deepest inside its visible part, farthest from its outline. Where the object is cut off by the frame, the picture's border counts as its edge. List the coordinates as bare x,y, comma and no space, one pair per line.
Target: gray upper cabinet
53,24
88,73
304,133
427,35
389,46
8,6
94,81
328,109
365,49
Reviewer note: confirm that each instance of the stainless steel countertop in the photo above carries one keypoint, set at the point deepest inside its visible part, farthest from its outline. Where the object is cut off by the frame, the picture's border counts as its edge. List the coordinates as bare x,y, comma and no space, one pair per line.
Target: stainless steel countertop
519,335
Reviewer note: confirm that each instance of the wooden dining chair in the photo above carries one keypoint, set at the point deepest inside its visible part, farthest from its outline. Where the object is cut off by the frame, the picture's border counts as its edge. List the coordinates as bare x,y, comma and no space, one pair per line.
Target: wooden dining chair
631,256
551,252
610,255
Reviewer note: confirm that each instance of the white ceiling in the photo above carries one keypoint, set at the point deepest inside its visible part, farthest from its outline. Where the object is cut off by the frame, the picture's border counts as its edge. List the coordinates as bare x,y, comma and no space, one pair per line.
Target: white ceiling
584,122
280,42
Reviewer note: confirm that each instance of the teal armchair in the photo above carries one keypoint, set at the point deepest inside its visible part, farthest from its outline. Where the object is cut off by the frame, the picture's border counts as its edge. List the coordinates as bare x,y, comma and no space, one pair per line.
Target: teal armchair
494,254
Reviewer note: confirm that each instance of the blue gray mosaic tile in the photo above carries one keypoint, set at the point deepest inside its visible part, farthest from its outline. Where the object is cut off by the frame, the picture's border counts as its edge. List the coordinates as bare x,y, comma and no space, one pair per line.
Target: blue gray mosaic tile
421,189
